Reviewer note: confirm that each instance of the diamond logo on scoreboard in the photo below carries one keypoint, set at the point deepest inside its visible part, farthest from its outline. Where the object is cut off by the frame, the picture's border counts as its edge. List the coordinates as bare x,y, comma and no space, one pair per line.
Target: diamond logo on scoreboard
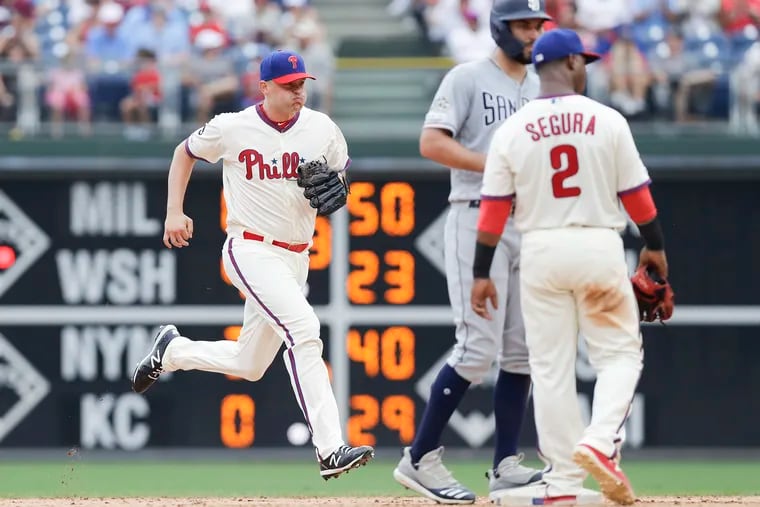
21,387
22,242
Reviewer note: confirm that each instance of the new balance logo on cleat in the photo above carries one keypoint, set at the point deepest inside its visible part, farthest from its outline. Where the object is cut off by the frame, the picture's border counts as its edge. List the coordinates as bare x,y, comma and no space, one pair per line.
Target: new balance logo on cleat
345,458
149,369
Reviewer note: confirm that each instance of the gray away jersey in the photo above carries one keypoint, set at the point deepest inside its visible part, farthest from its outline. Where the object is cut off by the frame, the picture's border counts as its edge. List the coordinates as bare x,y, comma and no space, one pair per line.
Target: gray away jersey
472,101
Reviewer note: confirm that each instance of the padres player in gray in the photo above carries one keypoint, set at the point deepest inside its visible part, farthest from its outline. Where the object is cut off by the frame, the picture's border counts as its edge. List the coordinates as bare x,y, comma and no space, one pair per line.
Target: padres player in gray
472,101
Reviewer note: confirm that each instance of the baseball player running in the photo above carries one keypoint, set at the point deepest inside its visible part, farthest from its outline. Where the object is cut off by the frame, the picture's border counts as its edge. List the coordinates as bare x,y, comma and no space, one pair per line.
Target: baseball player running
567,161
269,228
472,101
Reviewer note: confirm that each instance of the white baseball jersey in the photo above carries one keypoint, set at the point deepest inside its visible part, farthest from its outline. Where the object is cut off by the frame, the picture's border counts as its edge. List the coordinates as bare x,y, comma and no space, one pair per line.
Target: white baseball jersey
566,159
260,158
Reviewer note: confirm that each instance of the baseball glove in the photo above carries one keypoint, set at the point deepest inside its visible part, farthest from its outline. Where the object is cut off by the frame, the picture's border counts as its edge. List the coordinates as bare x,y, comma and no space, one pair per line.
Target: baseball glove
653,294
325,189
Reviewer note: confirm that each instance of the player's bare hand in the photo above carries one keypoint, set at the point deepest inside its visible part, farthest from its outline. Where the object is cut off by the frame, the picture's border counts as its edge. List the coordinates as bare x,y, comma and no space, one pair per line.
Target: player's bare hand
655,259
483,291
178,230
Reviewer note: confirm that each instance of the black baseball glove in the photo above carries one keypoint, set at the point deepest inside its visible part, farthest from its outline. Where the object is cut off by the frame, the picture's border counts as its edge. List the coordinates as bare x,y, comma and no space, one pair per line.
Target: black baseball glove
325,189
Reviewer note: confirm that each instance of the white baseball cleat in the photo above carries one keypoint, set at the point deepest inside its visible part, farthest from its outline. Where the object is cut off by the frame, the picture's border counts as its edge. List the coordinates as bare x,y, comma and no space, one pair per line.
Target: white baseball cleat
511,474
431,478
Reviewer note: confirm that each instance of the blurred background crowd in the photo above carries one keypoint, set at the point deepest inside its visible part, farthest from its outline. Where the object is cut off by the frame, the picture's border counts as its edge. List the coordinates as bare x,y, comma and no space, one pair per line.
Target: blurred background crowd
678,59
143,62
136,61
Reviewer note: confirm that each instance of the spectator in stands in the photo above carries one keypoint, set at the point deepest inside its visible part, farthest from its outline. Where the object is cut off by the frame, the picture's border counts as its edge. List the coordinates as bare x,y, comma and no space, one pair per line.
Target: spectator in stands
110,53
309,40
142,10
622,80
18,47
697,19
745,91
229,11
211,78
82,17
140,106
67,95
740,20
263,26
562,13
295,12
471,40
209,20
680,77
169,42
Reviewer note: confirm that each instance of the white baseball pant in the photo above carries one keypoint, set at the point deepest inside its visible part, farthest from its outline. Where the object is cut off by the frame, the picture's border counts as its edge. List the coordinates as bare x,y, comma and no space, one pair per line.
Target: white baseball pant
276,311
576,279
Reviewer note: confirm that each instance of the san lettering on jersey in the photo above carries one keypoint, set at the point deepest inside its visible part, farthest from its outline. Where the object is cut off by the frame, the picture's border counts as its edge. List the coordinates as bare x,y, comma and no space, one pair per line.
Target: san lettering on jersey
472,101
498,108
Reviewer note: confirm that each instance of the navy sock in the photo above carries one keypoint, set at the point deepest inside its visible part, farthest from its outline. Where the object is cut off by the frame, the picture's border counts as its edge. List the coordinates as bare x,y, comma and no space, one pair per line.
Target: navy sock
510,403
445,394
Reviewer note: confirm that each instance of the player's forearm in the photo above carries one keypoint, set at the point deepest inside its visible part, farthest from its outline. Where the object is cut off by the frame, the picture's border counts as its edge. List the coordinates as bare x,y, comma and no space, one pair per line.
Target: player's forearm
440,147
179,176
641,208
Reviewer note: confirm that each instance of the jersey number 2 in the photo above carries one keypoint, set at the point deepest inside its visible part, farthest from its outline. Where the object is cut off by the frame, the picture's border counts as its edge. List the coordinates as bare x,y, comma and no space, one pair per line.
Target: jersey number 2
564,159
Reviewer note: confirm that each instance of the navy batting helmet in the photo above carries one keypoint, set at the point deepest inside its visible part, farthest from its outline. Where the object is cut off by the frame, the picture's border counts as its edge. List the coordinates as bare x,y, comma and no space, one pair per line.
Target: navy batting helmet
504,11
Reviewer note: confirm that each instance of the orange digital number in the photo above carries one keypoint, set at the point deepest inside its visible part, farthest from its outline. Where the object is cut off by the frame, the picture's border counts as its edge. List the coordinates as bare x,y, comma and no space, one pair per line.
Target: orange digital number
365,211
396,414
320,252
237,427
397,353
390,353
396,209
397,205
368,417
359,279
400,279
365,349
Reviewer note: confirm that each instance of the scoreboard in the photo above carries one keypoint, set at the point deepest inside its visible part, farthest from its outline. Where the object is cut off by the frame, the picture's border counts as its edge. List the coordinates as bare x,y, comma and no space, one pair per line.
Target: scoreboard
85,281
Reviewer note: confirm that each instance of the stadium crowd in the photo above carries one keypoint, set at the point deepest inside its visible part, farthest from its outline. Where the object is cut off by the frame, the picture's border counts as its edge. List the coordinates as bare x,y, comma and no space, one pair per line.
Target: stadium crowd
669,58
172,61
138,60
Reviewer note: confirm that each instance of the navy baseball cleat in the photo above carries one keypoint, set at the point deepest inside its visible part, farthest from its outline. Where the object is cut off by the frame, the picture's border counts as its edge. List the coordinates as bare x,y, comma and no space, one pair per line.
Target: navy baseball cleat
345,458
149,369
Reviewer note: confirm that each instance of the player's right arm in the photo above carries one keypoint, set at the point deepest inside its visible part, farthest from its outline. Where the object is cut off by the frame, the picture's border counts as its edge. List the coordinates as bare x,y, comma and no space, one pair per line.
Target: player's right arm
178,227
439,146
445,118
203,144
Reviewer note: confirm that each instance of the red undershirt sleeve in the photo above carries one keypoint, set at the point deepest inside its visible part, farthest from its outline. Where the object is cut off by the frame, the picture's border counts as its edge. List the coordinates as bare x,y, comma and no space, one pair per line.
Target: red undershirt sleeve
494,214
639,204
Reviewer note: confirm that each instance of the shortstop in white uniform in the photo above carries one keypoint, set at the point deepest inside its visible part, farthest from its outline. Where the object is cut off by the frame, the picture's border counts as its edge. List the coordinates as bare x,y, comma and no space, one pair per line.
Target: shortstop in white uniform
565,160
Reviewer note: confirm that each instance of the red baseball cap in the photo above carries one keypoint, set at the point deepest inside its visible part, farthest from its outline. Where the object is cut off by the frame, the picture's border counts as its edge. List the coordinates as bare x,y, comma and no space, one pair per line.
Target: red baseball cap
284,67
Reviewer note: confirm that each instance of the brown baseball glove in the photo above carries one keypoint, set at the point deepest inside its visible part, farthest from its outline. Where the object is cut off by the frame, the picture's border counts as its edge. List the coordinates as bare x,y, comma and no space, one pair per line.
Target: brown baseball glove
654,295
